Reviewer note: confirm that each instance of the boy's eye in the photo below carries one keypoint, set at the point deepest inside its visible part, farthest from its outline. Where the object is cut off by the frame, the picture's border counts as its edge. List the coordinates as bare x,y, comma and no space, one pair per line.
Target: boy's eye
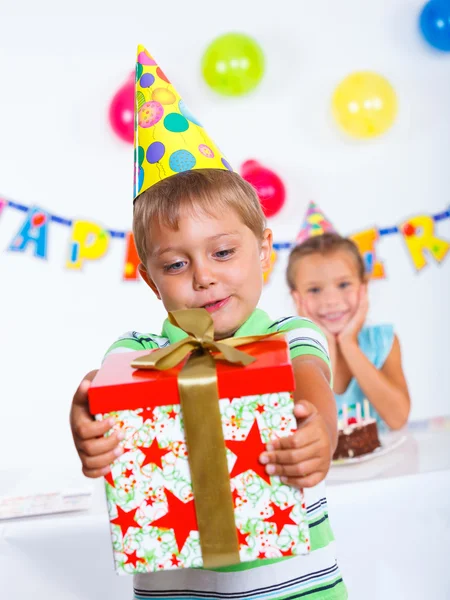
224,253
314,290
176,266
344,284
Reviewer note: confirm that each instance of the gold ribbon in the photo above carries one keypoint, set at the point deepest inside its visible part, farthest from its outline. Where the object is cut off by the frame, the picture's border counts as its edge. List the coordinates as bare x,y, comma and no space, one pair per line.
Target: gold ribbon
199,399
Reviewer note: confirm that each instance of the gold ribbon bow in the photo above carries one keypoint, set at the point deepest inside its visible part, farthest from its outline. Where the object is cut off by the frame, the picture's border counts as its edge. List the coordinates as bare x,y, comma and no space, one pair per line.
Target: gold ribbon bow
199,399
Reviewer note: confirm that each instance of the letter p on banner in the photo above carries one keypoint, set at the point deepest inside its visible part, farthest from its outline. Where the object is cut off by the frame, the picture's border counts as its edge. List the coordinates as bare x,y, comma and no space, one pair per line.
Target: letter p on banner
89,242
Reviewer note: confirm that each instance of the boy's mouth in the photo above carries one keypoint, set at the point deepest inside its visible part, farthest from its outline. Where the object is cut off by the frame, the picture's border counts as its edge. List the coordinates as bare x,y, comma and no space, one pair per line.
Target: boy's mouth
216,305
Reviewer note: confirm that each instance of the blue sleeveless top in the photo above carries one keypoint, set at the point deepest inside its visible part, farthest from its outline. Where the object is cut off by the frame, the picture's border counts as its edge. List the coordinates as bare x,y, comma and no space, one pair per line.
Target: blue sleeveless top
376,343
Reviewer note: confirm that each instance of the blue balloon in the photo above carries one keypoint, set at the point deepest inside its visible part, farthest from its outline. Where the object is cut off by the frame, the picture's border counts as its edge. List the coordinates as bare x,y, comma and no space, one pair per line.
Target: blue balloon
147,80
187,113
226,164
434,24
139,182
155,152
182,160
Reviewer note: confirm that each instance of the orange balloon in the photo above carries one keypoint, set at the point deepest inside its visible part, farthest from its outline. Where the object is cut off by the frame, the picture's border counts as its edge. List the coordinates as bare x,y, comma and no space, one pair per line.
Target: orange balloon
163,96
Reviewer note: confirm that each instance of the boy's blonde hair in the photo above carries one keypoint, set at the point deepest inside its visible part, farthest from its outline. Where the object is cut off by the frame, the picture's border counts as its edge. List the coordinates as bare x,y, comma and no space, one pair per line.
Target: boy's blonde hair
211,190
324,244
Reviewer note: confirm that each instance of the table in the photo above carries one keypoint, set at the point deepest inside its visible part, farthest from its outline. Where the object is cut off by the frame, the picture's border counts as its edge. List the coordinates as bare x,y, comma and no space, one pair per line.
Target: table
391,519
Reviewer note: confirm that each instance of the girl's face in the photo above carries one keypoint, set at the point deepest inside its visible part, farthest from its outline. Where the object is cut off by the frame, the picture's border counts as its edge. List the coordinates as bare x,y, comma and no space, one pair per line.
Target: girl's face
327,289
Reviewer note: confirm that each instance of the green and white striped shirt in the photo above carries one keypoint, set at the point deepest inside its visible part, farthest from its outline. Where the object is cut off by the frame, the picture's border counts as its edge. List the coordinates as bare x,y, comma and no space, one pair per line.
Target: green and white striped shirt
304,336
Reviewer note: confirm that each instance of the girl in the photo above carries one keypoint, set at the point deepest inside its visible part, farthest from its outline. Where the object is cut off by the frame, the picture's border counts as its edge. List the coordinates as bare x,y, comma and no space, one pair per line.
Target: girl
327,279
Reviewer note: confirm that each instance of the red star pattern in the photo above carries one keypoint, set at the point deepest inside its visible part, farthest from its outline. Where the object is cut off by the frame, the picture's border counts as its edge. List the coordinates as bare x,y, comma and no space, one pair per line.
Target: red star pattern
262,555
248,452
153,454
261,408
286,552
150,501
125,520
175,560
147,413
180,517
172,414
242,538
128,473
132,559
235,495
280,517
109,479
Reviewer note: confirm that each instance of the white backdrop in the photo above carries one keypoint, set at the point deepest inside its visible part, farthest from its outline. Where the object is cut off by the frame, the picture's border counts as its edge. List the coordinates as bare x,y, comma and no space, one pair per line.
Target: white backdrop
60,64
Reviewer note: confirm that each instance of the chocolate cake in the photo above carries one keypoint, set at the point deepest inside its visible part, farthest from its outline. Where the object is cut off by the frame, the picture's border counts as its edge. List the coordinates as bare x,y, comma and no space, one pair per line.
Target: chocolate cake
357,438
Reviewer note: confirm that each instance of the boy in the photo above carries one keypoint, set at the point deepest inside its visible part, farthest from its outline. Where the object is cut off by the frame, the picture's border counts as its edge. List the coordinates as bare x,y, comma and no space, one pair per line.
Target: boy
202,241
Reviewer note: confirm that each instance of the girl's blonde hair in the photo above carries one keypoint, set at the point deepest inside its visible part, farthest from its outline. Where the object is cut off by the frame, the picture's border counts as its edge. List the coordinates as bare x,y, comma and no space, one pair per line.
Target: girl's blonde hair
324,244
213,191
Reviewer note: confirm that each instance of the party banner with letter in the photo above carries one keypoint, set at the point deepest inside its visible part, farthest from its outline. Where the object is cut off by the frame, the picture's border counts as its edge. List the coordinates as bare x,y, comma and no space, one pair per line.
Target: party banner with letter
88,241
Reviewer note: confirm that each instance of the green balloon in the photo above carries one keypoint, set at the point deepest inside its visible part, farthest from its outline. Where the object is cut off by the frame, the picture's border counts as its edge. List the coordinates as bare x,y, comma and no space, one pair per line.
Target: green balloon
176,123
233,64
140,99
139,155
139,71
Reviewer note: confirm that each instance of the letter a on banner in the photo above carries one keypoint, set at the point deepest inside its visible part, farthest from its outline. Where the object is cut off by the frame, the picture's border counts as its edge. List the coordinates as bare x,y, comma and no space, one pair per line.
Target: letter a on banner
420,240
34,231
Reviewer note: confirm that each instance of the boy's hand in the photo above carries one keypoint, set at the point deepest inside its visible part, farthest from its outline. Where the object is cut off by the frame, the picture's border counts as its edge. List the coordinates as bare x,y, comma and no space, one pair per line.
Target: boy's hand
302,459
95,451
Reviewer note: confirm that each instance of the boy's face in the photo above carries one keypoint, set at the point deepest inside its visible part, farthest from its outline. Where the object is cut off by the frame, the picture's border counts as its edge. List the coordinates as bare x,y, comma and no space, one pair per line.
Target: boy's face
327,289
214,263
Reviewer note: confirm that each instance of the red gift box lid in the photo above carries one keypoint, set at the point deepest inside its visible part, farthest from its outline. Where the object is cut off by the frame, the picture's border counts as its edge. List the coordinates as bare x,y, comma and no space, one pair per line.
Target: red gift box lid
119,386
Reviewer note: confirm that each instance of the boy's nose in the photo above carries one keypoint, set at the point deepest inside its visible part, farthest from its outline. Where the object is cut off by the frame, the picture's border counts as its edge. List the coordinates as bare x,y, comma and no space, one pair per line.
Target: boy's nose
203,278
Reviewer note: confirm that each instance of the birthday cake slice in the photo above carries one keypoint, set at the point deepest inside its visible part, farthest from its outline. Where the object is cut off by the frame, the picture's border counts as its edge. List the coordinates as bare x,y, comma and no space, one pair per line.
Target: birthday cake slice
357,435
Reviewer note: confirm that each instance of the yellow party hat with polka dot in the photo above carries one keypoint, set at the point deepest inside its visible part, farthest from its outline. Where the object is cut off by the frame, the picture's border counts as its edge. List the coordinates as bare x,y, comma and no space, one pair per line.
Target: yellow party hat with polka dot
168,139
315,223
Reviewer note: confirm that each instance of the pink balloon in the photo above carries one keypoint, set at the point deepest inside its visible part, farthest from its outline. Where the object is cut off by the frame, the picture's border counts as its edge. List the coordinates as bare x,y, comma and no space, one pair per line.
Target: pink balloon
269,187
121,112
150,113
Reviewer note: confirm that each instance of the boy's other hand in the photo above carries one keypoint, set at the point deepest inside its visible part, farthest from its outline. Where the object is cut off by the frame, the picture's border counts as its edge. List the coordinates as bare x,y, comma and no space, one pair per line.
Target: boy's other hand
301,460
95,451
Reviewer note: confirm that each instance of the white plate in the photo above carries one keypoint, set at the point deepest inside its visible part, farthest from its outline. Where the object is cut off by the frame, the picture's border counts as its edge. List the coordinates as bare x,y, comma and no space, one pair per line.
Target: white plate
387,445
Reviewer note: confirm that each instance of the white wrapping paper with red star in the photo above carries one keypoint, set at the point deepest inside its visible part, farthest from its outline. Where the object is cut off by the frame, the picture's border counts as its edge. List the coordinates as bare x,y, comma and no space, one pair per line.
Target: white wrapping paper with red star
149,493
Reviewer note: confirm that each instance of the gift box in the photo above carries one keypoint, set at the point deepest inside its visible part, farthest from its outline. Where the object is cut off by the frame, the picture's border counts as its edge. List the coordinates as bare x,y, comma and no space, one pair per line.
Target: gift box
188,490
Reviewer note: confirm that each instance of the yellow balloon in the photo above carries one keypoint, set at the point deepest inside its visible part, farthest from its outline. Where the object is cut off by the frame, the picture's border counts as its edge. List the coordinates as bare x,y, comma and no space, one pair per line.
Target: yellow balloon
365,104
163,96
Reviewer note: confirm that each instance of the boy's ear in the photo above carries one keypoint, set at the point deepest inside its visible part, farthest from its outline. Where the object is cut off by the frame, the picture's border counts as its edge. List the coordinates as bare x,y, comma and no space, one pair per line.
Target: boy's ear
148,280
266,249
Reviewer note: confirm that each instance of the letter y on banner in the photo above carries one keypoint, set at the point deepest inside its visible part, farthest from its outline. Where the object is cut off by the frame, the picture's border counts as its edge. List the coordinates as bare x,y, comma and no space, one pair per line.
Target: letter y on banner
420,240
